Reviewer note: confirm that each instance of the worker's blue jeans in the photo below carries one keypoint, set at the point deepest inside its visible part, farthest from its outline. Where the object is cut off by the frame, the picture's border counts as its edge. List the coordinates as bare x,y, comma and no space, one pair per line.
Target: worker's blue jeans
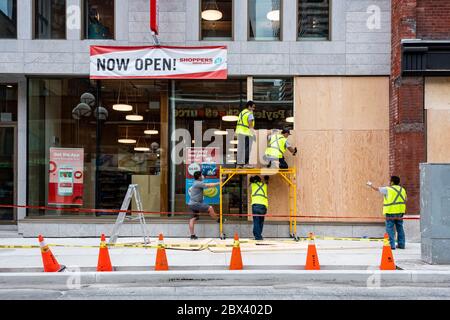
258,222
395,220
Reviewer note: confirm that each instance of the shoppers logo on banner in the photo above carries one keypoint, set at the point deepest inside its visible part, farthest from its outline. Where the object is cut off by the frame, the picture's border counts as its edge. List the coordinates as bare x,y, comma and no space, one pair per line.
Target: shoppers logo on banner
204,160
158,62
65,186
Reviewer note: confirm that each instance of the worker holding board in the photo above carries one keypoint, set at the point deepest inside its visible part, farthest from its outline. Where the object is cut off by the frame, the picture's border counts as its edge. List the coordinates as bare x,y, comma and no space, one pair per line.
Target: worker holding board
277,146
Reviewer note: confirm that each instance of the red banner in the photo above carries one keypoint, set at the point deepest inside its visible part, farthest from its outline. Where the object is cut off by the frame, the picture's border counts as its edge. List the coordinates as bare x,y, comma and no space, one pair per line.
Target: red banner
154,16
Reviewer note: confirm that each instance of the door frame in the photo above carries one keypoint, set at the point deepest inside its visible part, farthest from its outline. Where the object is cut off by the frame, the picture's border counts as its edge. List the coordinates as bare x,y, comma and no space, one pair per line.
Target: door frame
14,126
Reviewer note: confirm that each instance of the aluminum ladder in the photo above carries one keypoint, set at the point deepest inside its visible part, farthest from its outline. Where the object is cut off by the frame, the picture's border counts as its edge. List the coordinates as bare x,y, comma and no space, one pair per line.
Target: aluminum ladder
133,190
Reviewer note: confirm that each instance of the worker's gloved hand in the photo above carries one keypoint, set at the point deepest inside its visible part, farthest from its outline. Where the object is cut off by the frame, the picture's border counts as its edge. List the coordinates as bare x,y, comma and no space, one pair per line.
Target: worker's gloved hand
295,151
369,183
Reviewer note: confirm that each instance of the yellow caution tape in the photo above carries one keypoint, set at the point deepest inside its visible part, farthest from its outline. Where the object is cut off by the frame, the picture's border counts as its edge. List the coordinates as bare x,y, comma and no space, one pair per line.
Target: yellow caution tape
190,245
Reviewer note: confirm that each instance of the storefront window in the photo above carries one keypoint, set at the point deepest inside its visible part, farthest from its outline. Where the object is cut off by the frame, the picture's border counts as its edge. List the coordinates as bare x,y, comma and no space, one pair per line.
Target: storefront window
274,101
313,19
8,19
264,19
8,154
196,107
216,19
81,117
50,19
99,19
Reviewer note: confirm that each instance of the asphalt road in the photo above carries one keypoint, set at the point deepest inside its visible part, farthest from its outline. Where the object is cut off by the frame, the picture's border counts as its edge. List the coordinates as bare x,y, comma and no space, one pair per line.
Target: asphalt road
315,291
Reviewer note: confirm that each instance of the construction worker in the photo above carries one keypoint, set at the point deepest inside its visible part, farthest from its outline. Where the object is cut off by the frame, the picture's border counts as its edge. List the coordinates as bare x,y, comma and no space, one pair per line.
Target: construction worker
245,135
394,208
196,204
277,146
260,203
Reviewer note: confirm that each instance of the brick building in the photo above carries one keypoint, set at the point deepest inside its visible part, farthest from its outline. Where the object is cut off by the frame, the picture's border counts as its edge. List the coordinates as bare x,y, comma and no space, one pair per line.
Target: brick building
419,95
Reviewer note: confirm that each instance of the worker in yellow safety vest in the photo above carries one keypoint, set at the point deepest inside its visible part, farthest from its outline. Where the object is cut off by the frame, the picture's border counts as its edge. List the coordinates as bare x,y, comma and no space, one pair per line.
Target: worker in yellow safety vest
394,207
260,203
245,135
277,146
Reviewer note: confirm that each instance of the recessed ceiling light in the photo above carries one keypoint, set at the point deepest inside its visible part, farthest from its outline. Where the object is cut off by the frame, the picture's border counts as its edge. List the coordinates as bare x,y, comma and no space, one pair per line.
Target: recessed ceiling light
233,149
9,86
234,142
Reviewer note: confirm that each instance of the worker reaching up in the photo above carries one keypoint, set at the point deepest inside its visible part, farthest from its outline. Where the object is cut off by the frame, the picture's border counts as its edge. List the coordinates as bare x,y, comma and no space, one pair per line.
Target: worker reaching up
260,203
394,207
245,135
278,144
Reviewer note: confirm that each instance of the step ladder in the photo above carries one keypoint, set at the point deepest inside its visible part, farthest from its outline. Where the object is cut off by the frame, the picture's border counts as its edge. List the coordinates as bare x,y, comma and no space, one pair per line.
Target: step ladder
133,190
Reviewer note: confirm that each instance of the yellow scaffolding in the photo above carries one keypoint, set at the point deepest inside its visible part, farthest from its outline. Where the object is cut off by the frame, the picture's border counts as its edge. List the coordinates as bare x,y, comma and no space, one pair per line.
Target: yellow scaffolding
288,175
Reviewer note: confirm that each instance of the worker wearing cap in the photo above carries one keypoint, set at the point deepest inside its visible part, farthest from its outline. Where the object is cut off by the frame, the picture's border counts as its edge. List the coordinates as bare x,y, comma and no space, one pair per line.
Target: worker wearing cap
277,146
394,207
245,134
260,203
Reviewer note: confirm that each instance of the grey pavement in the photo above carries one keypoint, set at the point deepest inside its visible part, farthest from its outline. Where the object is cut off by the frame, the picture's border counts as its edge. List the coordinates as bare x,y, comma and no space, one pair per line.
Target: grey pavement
273,269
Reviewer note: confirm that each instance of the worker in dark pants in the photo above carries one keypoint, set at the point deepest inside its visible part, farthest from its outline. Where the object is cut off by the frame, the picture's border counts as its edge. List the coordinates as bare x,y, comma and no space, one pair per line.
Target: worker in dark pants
277,146
260,203
394,208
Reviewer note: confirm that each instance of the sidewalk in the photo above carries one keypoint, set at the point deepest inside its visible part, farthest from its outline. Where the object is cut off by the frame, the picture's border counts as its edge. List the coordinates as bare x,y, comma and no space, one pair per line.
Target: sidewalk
269,254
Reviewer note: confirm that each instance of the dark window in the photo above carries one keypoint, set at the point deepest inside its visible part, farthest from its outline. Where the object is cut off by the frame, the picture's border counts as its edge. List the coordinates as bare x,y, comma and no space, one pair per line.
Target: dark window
264,19
8,103
274,100
217,19
50,19
99,19
314,19
8,19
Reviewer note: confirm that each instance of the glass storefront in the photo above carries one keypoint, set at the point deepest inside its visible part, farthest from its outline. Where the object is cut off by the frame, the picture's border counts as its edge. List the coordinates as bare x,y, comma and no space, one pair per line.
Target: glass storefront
126,132
8,154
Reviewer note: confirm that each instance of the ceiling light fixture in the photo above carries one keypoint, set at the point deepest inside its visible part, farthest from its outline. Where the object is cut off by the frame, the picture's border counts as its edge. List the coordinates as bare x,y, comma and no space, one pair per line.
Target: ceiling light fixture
121,106
290,119
126,140
220,132
273,15
211,12
234,142
151,131
233,149
230,118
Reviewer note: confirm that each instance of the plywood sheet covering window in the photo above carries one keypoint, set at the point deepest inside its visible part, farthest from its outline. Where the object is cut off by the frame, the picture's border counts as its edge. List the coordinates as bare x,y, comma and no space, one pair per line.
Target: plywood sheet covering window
342,132
437,93
438,136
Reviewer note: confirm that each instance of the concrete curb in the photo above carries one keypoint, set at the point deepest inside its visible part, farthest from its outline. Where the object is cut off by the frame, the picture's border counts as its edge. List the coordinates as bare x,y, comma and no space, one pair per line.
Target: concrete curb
243,277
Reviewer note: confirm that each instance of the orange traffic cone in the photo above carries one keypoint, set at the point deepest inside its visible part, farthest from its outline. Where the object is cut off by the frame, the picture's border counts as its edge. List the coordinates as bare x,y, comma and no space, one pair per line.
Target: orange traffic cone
48,259
312,259
161,258
104,261
387,259
236,257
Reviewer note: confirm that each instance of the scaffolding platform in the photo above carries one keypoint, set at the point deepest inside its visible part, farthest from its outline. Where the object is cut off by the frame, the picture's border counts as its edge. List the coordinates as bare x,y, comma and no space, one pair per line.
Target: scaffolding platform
288,175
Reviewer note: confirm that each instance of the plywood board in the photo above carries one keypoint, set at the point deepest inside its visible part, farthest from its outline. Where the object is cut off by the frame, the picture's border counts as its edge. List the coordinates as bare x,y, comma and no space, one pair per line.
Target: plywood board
437,93
438,136
342,103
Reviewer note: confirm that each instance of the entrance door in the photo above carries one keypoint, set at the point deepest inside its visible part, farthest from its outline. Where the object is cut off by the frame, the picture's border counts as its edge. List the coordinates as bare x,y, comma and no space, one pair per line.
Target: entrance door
7,173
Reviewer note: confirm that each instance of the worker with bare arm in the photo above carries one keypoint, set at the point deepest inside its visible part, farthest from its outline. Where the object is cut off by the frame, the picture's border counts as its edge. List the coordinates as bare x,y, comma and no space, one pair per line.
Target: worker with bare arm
196,204
278,144
394,208
245,132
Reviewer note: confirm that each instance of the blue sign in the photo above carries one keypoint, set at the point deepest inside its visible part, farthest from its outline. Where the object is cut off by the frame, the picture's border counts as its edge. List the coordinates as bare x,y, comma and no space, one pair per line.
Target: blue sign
210,195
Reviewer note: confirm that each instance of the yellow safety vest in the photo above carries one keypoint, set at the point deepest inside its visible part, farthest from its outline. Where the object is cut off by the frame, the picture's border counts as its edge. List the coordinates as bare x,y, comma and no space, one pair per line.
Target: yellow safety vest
259,194
242,126
394,200
277,146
